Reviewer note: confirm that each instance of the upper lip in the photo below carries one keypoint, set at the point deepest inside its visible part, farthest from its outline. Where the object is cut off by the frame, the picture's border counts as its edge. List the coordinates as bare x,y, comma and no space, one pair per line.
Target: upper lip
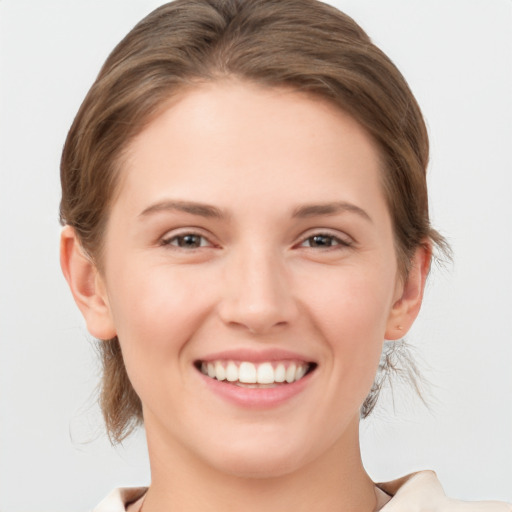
256,356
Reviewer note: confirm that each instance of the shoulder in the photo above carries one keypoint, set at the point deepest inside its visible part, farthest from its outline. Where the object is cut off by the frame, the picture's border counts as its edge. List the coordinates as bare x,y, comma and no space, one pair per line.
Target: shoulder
119,499
423,492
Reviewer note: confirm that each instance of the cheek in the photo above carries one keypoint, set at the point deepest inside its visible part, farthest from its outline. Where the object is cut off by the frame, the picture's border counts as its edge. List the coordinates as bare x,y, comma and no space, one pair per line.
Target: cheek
157,309
352,302
351,313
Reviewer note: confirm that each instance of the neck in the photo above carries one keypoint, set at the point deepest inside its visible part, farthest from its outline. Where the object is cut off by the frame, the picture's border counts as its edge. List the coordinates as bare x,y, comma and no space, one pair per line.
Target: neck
334,481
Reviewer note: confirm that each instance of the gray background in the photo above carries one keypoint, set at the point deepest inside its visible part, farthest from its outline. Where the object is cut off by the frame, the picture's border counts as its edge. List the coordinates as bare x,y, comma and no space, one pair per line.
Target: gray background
457,57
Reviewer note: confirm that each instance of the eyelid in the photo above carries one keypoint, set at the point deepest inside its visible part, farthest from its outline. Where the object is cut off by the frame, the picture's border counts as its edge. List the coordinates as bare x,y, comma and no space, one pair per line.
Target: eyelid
343,239
169,236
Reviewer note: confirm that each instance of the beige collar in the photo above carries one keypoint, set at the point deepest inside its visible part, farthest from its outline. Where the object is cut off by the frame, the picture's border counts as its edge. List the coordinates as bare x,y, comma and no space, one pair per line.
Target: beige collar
422,492
418,492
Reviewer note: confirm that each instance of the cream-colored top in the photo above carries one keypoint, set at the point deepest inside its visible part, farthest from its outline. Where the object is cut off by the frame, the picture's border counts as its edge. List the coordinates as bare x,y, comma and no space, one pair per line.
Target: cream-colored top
419,492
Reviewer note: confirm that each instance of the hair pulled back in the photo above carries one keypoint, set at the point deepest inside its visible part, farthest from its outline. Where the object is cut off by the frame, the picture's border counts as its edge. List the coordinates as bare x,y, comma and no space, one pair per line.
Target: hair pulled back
303,44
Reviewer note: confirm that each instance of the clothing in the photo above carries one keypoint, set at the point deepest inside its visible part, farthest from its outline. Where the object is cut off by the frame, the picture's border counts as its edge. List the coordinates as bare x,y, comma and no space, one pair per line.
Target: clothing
419,492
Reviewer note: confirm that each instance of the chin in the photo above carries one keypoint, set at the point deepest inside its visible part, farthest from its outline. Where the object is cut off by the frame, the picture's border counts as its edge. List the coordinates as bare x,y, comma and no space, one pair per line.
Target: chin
258,466
259,457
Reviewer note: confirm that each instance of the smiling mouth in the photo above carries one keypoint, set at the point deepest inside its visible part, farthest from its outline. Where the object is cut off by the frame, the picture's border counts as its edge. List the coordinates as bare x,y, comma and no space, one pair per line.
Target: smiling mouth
255,375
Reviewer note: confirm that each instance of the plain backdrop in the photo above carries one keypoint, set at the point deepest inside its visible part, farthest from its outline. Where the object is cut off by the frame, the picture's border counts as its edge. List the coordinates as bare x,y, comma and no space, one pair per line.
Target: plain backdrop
457,57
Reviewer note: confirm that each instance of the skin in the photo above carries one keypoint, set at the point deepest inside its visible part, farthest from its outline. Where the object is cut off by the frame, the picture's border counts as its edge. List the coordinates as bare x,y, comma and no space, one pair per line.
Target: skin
258,280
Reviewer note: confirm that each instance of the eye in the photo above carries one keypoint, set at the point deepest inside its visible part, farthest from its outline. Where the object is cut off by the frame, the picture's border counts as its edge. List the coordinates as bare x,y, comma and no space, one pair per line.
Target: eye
187,241
324,240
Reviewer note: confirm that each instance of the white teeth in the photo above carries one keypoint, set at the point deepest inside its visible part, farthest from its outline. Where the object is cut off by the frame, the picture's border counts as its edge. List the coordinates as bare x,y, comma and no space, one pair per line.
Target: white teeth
301,371
290,373
280,373
220,371
265,374
247,373
231,372
254,375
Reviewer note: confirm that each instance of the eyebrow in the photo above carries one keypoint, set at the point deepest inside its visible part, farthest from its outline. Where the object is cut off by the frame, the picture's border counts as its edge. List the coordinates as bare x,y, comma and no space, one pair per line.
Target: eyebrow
209,211
313,210
201,209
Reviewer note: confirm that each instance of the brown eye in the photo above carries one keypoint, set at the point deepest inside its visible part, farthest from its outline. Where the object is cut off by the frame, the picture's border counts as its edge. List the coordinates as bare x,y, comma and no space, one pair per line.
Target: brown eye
322,241
187,241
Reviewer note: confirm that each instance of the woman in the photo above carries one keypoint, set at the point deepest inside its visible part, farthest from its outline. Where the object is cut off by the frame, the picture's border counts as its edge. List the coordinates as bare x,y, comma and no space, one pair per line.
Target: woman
246,221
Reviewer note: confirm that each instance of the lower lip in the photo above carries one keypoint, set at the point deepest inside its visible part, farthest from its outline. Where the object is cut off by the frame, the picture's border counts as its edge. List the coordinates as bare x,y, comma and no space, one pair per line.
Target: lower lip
261,398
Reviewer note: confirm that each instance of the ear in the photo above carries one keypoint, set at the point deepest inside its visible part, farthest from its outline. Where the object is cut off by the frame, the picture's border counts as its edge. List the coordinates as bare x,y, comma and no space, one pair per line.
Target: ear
409,294
87,286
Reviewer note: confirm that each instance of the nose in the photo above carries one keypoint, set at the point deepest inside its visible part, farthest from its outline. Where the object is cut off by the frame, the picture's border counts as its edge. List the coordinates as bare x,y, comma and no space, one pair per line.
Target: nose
257,295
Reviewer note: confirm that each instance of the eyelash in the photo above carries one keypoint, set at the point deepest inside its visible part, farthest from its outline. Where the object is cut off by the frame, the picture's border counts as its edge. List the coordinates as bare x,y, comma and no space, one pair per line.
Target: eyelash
336,242
169,241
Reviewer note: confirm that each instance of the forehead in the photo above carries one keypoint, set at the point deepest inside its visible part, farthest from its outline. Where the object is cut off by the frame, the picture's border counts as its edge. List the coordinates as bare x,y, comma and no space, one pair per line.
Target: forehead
224,140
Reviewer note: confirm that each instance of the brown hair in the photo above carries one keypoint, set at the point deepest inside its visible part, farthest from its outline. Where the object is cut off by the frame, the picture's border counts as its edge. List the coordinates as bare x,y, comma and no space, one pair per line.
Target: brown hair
304,44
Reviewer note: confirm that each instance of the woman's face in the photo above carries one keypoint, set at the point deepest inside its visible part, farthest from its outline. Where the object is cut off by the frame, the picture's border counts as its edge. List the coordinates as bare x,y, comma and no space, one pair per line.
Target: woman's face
251,240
